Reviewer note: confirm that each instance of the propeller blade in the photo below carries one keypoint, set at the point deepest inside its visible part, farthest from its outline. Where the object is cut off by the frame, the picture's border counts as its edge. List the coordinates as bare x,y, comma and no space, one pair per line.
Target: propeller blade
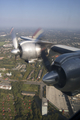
15,42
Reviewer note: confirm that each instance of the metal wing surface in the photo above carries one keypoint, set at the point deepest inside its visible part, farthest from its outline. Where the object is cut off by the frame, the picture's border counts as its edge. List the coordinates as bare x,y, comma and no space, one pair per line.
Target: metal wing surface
26,38
44,43
64,49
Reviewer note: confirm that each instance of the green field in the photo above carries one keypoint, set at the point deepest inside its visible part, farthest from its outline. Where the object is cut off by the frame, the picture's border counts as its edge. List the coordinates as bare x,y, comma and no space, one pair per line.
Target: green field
15,106
32,88
2,43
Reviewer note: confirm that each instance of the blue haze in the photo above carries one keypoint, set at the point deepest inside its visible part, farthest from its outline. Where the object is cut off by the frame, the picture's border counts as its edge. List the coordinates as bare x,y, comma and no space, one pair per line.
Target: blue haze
40,13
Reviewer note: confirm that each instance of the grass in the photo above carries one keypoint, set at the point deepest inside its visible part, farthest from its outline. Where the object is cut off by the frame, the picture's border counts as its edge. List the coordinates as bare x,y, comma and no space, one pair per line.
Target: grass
2,43
27,87
7,102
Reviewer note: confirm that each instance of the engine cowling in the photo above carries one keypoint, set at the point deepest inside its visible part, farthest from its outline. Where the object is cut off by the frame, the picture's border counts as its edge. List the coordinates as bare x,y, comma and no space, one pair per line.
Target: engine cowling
66,73
30,51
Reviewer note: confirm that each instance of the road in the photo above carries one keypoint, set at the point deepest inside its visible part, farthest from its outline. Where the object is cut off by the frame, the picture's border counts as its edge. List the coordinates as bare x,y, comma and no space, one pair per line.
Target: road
37,83
30,82
25,81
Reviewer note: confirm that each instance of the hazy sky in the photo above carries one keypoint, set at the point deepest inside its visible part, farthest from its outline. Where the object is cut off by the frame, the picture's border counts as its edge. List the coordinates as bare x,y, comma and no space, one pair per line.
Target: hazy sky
40,13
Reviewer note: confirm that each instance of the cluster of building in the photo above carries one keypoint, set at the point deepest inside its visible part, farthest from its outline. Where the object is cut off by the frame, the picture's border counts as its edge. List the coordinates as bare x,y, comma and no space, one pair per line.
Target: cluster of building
5,49
30,75
7,109
9,74
1,58
5,85
23,66
76,43
2,69
0,74
44,103
32,78
28,93
8,45
39,75
2,35
75,103
44,106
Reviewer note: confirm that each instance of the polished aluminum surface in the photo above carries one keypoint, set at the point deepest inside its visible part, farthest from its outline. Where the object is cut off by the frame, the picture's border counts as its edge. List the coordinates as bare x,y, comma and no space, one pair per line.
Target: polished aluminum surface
67,47
30,50
38,50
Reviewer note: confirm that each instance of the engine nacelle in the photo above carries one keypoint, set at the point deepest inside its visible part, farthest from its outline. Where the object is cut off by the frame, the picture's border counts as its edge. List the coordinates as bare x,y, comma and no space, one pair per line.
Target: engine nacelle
30,51
65,74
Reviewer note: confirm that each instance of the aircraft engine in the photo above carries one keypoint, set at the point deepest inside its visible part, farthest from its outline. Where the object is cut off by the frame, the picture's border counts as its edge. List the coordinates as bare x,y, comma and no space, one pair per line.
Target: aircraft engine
65,73
30,51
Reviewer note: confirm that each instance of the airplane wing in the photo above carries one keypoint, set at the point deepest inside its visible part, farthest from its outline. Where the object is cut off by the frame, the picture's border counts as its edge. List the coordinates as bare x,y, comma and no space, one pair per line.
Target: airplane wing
63,49
44,43
56,48
26,38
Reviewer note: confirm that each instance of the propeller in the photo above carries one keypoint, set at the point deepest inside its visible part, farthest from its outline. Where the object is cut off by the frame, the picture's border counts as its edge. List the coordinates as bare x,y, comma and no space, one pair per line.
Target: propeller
15,51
